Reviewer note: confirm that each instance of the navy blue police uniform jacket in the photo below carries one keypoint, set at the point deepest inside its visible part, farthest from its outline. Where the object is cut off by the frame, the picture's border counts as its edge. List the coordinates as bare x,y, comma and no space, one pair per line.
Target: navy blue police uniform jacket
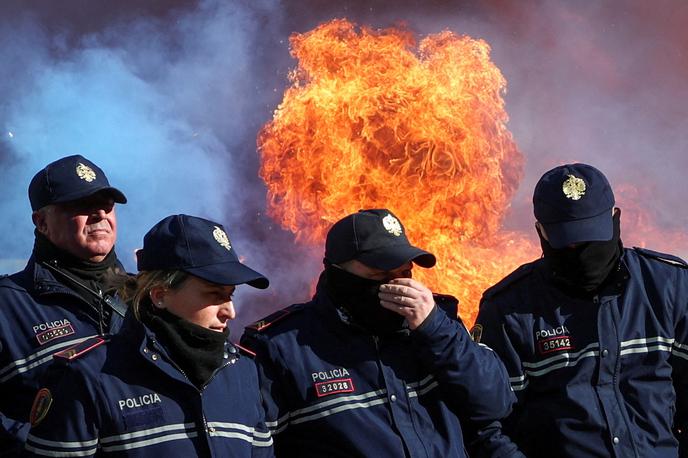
602,376
39,315
334,390
127,397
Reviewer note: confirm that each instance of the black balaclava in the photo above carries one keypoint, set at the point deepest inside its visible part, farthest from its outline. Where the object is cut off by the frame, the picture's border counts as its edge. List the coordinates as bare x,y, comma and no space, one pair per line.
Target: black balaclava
586,266
198,351
358,296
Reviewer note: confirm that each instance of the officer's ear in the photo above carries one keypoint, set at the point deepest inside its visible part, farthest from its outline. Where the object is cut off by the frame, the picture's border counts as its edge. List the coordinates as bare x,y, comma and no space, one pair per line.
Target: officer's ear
39,218
157,296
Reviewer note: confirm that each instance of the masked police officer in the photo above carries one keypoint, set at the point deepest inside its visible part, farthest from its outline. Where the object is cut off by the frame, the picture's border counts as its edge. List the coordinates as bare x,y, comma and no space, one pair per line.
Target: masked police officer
594,335
375,364
60,297
169,383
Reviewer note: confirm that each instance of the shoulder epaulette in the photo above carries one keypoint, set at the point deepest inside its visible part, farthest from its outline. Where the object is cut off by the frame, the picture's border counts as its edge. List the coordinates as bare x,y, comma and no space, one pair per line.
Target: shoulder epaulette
263,324
80,349
448,303
245,350
518,274
667,258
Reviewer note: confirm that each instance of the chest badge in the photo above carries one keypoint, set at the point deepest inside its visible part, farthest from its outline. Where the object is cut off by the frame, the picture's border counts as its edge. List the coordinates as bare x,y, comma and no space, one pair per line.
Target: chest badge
333,381
551,340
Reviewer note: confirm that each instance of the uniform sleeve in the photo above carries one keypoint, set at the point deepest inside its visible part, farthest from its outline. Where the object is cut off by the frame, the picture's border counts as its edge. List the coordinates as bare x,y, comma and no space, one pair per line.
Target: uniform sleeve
679,362
12,435
490,330
12,431
63,416
472,376
274,382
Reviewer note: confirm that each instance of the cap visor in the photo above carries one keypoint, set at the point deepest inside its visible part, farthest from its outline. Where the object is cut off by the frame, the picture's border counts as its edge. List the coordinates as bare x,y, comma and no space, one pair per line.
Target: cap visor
116,194
230,273
595,229
391,257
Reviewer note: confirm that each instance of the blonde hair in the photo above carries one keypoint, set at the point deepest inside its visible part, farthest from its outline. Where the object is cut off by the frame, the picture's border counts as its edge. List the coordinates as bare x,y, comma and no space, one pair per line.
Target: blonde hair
136,290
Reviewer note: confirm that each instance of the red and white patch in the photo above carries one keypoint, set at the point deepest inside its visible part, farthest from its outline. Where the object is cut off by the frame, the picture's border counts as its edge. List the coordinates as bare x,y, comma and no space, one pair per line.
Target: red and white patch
341,385
54,333
553,344
40,407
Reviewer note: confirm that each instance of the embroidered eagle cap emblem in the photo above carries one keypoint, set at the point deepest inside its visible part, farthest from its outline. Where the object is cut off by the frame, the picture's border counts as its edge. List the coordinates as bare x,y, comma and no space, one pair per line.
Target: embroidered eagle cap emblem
574,187
221,237
392,225
85,172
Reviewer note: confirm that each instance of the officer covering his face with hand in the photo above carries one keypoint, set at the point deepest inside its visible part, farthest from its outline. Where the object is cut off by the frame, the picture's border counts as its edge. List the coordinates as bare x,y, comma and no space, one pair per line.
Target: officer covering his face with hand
375,364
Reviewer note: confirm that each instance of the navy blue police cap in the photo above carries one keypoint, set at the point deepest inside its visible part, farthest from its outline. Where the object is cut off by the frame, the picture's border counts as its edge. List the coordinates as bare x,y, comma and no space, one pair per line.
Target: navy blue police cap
67,179
574,203
376,238
197,246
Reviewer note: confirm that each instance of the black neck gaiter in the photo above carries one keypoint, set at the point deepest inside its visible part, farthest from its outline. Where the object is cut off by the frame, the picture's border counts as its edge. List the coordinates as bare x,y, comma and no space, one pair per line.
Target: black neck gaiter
198,351
586,266
358,297
93,273
99,277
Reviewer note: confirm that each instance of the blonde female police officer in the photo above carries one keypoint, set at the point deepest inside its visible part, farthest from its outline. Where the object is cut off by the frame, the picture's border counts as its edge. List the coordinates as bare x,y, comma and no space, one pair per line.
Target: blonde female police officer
170,383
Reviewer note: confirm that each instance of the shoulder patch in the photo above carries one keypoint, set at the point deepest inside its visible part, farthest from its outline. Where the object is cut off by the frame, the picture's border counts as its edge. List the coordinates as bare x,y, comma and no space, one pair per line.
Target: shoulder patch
477,333
280,315
667,258
513,277
80,349
40,407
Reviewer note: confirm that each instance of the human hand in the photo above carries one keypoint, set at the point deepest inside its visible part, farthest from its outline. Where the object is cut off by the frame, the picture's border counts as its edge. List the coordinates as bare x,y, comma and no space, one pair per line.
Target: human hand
409,298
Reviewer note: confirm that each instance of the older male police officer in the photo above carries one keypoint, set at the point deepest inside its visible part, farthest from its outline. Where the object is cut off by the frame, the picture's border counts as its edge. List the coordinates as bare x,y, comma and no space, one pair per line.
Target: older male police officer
594,336
58,299
375,364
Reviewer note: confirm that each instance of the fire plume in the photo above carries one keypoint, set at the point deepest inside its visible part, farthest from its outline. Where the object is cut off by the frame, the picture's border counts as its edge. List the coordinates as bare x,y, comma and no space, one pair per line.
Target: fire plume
373,119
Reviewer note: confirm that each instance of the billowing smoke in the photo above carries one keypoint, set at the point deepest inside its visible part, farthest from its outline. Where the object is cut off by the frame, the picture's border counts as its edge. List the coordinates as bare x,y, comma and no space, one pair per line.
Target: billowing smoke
167,105
169,101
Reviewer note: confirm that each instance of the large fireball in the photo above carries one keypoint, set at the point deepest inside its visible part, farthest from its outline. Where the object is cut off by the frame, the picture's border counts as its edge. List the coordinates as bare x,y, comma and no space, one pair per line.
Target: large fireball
373,119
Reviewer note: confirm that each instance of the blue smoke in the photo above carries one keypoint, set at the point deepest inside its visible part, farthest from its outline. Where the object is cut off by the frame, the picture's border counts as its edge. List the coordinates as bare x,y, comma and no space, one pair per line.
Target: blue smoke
162,110
165,105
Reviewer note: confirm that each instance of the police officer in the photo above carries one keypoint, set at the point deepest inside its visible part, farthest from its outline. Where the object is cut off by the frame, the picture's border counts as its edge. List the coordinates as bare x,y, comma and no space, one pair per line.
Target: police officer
594,335
375,365
60,297
170,383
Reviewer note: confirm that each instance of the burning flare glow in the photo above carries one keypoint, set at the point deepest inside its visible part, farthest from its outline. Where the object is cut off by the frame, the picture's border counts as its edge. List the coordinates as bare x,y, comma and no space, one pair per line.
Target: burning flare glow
373,119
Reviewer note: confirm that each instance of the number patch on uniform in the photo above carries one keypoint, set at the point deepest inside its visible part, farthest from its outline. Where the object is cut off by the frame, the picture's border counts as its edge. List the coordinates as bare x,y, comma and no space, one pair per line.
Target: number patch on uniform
342,385
555,344
54,333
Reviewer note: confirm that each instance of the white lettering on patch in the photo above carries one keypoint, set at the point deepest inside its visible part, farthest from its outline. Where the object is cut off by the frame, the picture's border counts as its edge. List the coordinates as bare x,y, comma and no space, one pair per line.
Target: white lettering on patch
139,401
329,375
50,325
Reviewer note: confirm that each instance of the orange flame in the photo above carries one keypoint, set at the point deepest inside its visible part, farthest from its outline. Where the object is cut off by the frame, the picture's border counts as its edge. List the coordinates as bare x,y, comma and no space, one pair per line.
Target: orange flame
372,122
